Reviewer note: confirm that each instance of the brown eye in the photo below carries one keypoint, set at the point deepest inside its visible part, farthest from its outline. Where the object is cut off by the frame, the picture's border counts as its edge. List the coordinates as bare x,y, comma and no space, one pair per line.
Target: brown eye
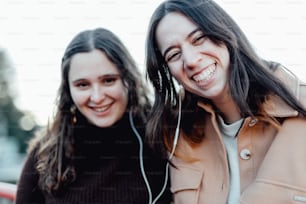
110,80
81,85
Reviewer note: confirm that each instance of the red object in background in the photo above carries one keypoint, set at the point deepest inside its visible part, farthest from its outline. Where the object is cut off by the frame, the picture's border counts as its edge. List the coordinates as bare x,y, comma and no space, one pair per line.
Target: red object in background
8,190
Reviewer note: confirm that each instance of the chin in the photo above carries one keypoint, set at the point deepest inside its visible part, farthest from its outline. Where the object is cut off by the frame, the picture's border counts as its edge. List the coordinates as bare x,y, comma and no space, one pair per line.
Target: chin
102,124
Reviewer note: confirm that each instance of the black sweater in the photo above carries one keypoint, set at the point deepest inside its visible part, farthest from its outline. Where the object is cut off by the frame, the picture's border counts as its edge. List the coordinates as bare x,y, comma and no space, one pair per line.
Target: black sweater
108,171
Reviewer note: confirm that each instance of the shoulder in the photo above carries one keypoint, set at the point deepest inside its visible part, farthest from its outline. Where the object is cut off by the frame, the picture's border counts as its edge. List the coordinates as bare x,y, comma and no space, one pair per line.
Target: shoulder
292,82
302,93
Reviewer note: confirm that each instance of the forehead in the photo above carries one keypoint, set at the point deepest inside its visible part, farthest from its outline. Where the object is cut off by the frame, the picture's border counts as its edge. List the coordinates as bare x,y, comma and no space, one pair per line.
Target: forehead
91,63
172,26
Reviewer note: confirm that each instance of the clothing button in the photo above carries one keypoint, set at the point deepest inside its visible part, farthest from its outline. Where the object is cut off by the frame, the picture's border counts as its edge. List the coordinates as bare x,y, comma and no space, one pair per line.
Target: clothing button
245,154
253,122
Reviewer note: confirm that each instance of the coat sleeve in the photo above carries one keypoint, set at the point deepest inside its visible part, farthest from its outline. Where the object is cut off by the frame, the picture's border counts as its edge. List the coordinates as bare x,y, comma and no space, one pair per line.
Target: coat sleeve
28,191
295,85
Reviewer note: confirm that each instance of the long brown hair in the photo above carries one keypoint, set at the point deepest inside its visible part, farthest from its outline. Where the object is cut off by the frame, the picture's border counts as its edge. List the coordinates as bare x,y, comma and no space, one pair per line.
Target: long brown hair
53,146
250,77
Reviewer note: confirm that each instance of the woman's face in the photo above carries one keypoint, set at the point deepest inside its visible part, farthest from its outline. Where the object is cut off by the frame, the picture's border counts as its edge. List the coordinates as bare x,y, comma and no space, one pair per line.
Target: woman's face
197,63
97,88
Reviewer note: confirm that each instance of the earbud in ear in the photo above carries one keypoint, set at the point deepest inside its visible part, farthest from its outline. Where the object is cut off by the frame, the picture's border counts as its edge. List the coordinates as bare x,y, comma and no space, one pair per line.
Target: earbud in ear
181,92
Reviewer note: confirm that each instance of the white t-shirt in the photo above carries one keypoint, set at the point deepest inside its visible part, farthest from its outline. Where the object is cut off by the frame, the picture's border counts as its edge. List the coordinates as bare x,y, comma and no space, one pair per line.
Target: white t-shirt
229,132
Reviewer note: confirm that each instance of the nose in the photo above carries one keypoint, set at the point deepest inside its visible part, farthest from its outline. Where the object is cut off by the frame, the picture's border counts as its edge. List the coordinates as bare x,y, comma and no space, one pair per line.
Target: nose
97,94
191,57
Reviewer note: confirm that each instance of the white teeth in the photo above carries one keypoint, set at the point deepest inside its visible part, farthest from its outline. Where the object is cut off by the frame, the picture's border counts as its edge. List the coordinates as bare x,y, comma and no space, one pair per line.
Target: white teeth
206,74
101,109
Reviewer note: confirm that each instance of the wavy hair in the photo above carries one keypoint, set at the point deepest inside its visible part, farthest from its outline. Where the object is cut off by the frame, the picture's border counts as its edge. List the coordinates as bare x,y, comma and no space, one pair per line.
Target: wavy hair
54,146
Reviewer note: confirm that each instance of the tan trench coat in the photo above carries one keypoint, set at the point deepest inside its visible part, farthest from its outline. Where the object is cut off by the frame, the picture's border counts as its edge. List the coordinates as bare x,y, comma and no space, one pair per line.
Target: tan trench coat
272,162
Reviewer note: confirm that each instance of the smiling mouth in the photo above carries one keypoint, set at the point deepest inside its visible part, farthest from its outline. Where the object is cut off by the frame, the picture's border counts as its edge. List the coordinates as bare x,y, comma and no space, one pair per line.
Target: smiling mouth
101,109
206,74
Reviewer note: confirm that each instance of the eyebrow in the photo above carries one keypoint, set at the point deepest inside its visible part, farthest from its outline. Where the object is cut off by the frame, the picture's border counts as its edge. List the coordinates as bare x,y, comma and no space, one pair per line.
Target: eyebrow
100,77
173,46
109,76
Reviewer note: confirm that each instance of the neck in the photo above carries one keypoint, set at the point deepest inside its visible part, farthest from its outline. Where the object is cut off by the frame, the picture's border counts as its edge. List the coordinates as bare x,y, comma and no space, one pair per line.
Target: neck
228,109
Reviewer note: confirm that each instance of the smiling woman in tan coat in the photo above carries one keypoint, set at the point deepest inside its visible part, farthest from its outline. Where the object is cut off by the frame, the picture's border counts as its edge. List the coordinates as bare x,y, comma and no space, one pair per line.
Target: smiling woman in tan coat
238,134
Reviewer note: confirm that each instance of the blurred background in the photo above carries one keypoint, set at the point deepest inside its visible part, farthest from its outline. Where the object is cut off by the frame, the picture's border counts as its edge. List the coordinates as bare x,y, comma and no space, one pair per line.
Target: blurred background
34,34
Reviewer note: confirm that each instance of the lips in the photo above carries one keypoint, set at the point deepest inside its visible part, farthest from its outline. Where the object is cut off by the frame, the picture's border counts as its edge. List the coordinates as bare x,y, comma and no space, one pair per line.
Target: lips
205,74
101,109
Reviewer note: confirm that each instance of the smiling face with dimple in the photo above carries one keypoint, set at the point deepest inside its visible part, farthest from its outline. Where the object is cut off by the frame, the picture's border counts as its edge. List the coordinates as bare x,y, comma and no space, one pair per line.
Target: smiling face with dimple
97,88
198,63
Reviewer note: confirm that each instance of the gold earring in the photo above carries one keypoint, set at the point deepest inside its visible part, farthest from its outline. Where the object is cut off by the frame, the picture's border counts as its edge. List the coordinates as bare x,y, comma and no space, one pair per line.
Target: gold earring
72,111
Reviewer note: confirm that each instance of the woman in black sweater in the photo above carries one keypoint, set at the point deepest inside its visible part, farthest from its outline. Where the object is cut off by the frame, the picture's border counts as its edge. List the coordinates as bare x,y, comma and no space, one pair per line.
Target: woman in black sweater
93,151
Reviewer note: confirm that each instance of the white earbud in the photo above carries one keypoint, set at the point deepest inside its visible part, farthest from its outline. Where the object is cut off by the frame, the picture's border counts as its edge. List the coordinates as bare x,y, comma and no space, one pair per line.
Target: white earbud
181,92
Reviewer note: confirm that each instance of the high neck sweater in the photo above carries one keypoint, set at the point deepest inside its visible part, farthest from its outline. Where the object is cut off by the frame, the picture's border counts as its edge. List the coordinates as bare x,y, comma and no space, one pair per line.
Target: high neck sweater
108,170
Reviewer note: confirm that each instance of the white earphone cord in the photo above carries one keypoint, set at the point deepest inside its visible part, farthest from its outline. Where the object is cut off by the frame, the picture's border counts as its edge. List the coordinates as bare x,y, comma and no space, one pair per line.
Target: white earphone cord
177,130
141,157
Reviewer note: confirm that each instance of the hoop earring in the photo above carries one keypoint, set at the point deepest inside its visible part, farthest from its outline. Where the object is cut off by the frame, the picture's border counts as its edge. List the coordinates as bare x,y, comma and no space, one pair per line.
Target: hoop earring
72,111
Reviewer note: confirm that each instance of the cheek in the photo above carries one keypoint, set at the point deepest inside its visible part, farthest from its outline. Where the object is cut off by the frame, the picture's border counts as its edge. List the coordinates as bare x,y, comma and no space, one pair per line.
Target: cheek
225,57
175,68
177,72
78,97
124,96
118,92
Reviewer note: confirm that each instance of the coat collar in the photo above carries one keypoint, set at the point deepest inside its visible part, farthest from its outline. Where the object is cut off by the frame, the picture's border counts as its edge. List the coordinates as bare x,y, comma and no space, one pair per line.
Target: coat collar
276,107
273,106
